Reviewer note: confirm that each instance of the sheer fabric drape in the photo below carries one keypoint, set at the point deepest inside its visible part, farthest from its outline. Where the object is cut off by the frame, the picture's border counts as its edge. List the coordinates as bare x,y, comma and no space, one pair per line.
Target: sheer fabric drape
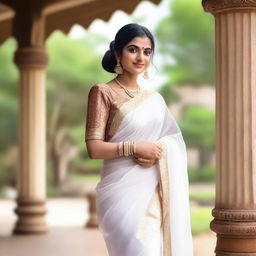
126,188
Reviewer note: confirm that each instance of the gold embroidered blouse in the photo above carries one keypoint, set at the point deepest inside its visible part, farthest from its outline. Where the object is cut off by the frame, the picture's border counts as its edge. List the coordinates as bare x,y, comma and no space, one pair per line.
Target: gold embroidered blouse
103,102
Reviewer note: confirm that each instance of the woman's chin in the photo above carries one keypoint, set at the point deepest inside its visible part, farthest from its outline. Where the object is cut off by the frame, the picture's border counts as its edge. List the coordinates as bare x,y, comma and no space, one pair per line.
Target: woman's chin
136,72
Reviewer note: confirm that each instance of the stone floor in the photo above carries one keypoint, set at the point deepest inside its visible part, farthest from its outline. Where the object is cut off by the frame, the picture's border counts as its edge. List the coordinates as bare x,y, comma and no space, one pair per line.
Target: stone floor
67,236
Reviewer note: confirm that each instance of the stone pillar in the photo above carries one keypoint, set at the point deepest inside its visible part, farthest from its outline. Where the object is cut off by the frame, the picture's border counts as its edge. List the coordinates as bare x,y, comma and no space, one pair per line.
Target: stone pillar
31,177
235,206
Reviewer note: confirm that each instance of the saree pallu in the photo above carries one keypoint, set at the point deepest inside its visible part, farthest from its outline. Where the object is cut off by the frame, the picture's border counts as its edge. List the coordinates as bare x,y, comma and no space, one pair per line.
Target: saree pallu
145,211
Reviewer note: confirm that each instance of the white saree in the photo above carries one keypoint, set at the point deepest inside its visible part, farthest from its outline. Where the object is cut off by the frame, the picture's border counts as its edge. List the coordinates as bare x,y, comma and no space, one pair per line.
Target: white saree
127,201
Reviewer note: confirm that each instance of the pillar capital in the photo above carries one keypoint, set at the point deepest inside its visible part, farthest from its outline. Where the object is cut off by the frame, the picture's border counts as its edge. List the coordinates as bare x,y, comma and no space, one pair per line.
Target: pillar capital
216,6
31,57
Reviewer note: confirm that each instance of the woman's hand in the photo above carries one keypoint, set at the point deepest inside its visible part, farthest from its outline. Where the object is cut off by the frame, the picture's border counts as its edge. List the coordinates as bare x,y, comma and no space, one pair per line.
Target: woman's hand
148,150
144,162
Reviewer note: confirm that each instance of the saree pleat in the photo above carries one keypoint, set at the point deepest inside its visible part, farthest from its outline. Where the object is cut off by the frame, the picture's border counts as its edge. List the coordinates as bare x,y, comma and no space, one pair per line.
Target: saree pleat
145,211
164,192
149,228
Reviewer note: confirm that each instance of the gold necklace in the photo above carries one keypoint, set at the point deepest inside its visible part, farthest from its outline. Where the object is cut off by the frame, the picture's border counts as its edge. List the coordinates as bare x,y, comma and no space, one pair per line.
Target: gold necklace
130,92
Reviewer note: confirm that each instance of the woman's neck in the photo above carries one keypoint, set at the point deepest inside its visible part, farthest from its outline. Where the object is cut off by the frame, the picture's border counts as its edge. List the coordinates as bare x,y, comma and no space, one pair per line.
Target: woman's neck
128,80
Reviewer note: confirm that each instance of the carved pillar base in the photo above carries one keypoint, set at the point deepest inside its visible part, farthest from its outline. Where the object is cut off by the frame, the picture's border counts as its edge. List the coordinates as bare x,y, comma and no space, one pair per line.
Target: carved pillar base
236,232
30,217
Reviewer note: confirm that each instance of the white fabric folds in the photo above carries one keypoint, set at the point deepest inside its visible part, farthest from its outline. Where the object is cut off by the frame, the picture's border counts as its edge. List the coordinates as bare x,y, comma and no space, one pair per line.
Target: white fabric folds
125,189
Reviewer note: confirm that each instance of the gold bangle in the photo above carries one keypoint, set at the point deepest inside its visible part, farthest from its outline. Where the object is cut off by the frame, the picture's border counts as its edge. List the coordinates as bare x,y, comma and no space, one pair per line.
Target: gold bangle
125,149
131,152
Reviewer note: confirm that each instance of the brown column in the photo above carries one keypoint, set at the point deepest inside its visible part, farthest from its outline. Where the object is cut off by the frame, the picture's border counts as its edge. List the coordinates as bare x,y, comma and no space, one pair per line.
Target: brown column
235,206
32,150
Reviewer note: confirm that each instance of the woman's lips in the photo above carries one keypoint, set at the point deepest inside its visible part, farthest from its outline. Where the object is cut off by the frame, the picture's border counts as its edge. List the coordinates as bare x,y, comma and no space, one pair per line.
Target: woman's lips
138,65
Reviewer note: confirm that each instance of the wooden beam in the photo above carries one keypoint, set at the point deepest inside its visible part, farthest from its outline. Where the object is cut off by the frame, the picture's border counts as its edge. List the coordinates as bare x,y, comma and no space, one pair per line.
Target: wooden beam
54,6
6,21
85,14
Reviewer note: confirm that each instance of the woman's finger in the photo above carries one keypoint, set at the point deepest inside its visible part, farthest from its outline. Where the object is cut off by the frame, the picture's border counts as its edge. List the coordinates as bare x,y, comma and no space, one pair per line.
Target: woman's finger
143,163
159,148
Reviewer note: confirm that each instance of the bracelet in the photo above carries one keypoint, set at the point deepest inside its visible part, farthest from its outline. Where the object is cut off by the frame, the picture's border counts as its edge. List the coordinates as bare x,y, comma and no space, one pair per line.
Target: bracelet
120,149
126,148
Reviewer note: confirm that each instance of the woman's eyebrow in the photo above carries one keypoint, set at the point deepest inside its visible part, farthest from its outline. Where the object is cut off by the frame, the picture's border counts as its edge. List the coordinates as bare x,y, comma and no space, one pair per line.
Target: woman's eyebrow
137,46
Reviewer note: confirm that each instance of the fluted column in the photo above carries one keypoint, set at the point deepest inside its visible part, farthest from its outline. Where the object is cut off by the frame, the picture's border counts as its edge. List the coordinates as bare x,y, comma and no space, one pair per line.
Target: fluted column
31,177
235,205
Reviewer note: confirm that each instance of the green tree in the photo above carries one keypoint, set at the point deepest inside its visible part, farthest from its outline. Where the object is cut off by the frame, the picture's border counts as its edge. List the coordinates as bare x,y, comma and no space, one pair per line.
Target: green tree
197,125
186,40
74,67
8,95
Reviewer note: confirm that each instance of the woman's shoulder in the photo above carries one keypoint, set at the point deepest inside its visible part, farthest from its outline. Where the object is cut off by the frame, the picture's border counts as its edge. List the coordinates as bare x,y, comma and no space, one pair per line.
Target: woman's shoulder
156,93
160,97
99,90
99,86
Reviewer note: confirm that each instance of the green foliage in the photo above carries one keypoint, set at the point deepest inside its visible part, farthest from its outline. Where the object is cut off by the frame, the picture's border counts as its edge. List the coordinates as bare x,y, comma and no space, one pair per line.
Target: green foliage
8,70
169,94
186,42
74,64
200,220
77,134
203,174
188,38
73,68
198,127
9,123
53,192
8,95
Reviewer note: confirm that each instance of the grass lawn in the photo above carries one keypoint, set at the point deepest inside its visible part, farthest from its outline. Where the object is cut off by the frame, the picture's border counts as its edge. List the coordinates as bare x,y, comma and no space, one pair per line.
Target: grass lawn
200,220
208,196
84,178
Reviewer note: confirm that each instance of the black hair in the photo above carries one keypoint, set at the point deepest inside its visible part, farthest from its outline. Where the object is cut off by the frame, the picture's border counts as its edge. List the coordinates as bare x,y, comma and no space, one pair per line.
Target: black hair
123,37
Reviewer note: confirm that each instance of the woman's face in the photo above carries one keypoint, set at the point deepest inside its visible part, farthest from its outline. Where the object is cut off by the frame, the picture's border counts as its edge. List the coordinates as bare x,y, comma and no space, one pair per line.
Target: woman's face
136,55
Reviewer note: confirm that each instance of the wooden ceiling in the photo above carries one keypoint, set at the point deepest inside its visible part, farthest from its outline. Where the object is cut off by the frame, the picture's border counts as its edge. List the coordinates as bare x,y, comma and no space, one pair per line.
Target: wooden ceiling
58,14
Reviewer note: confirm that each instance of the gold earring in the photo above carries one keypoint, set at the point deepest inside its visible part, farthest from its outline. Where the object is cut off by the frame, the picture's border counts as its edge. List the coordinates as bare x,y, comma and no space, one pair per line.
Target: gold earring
146,75
118,68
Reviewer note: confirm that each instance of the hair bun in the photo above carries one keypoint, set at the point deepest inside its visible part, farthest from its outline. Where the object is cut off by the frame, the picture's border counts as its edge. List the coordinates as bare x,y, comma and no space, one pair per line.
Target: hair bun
112,46
109,60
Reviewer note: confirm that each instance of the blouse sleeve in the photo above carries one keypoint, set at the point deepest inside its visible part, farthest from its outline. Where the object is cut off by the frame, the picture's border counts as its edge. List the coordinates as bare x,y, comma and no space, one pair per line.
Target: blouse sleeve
97,113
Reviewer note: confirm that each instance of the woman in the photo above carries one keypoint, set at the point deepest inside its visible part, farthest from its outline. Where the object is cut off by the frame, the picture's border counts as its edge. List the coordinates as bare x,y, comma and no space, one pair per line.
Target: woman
142,198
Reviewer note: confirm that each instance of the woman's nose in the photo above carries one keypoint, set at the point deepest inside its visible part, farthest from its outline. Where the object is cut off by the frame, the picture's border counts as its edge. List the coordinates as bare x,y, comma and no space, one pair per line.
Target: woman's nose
140,55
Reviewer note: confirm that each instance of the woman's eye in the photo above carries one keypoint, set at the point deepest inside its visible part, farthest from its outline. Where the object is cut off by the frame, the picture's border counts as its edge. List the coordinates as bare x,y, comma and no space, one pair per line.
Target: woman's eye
147,52
132,50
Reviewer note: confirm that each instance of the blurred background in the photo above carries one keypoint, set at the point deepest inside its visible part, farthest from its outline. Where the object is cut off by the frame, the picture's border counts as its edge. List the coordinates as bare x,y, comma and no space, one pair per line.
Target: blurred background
184,59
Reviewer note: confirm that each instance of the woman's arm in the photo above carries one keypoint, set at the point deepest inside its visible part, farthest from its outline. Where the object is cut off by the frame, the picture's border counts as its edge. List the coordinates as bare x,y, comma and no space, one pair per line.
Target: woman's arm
99,149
